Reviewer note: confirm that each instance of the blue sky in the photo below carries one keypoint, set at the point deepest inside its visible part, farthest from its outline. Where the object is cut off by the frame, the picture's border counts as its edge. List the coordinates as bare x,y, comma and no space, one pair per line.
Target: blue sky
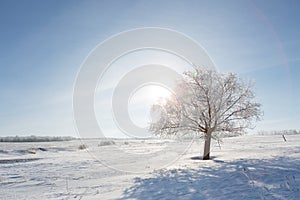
43,44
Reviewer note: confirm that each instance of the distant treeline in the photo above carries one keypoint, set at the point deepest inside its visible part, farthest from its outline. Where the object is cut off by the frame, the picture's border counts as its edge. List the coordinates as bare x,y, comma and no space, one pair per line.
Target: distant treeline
279,132
33,138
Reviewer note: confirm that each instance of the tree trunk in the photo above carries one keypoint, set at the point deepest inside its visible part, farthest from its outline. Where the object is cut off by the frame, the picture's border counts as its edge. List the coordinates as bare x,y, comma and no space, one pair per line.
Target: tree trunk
207,146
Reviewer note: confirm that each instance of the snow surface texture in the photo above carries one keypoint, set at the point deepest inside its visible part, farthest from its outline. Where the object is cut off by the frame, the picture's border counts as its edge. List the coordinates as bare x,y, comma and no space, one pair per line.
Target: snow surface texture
247,167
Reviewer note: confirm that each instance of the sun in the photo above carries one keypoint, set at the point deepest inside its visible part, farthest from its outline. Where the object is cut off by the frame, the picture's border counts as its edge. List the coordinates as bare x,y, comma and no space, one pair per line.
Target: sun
157,92
141,101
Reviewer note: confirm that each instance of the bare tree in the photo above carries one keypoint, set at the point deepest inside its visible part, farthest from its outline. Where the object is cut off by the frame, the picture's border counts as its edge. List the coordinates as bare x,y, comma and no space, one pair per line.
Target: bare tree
209,104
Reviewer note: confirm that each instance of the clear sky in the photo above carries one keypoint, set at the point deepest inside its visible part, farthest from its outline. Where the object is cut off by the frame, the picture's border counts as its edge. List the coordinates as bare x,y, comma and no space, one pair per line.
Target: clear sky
43,44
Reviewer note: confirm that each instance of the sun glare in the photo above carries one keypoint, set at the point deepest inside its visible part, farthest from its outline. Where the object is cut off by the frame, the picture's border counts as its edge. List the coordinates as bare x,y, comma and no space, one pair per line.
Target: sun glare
141,101
157,92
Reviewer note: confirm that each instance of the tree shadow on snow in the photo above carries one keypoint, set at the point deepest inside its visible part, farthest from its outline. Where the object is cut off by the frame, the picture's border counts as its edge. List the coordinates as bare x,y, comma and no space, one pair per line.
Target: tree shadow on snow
277,178
213,158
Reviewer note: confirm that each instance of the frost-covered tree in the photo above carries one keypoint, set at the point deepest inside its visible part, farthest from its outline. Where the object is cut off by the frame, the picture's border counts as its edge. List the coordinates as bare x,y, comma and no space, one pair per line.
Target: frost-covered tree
208,104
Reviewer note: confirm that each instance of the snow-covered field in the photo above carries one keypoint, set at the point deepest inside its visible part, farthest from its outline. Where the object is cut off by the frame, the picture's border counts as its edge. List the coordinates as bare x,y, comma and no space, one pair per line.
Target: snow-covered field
246,167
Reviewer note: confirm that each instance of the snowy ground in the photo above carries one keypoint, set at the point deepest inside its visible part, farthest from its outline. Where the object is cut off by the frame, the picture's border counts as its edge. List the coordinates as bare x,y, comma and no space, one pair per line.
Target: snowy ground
247,167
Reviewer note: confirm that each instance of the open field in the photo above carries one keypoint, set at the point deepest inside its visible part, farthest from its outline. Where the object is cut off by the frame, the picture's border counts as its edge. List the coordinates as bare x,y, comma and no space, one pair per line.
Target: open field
246,167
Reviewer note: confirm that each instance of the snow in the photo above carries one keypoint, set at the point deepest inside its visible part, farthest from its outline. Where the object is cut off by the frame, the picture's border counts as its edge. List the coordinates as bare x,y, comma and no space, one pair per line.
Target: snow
245,167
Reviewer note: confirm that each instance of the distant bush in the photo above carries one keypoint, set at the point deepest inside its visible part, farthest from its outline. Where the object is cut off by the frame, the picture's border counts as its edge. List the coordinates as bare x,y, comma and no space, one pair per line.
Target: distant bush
279,132
126,143
3,151
33,138
106,143
82,147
